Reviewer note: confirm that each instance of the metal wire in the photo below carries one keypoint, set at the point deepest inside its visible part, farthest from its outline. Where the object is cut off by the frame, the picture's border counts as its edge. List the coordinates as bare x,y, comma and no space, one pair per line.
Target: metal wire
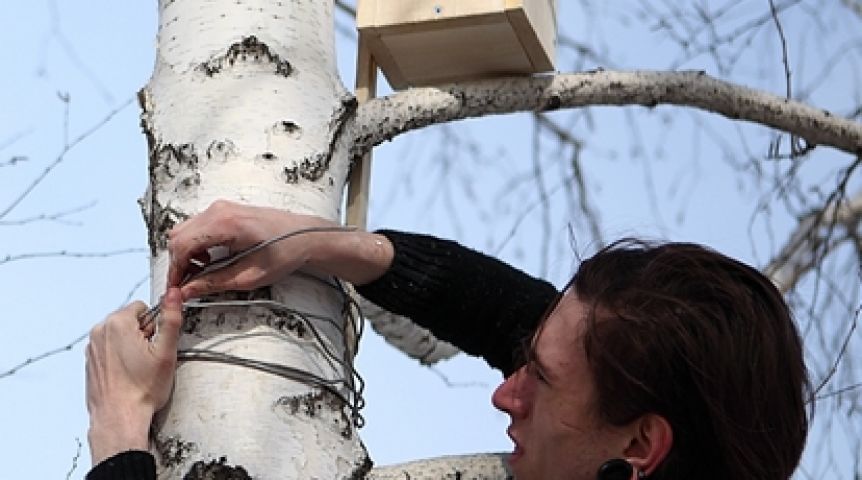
151,313
348,389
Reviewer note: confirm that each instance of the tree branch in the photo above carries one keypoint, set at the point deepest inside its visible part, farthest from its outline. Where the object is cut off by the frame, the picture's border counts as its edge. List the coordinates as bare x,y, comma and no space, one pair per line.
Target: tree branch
483,466
68,347
384,118
59,217
855,6
345,8
408,337
67,254
68,146
808,243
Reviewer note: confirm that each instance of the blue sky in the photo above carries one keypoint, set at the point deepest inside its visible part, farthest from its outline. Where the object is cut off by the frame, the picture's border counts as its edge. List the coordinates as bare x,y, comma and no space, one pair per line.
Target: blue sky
100,52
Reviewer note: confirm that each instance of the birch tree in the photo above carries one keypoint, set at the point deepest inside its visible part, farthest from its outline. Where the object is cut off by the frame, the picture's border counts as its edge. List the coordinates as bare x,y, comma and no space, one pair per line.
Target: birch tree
245,104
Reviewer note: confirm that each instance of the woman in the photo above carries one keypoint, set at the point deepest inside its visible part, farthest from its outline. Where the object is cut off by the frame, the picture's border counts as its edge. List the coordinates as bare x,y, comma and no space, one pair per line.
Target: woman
671,361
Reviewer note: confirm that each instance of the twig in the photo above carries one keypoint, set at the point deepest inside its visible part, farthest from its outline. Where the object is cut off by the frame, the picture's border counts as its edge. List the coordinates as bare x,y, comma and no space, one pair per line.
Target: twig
67,347
731,37
68,254
68,147
345,8
12,161
841,352
58,34
806,247
75,459
452,384
797,147
855,6
14,138
783,41
59,217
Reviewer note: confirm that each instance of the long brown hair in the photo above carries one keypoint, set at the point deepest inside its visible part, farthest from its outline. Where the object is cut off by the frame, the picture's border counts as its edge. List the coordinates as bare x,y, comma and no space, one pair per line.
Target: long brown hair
708,343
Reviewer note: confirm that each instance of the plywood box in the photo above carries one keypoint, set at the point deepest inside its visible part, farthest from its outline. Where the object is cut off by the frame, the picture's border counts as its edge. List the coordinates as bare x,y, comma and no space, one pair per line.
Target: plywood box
425,42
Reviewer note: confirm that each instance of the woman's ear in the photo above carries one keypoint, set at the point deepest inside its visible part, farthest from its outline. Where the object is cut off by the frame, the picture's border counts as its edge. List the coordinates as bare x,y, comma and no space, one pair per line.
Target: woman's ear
651,442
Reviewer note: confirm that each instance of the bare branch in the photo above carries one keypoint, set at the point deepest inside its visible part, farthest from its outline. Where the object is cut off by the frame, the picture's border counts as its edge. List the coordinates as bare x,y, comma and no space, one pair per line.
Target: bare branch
411,339
590,214
384,118
59,217
345,8
75,459
72,54
68,347
49,353
808,243
796,148
449,383
12,161
14,138
68,147
740,35
855,6
840,355
67,254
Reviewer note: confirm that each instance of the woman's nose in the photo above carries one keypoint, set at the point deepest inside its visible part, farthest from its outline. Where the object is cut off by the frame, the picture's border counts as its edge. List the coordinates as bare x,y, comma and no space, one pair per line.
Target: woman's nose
509,396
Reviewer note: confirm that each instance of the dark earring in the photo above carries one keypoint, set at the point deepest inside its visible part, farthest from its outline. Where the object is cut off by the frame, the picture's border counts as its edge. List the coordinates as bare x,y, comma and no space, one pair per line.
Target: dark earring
616,469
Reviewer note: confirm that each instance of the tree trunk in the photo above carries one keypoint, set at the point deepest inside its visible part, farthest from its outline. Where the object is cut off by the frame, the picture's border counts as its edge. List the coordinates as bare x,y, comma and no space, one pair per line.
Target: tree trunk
245,104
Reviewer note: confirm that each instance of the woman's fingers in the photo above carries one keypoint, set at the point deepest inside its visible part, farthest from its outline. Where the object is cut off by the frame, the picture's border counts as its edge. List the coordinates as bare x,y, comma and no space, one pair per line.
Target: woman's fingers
221,224
239,276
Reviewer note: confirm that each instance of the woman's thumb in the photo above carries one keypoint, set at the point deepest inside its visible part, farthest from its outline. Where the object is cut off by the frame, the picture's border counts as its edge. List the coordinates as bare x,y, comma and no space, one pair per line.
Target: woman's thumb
171,321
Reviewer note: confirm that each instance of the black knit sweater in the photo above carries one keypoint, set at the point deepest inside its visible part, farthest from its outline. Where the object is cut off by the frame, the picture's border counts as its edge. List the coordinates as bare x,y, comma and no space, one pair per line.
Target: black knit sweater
481,305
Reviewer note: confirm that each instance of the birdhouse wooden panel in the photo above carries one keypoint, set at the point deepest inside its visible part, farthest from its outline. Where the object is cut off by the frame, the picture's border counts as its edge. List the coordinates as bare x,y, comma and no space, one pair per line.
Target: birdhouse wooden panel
425,42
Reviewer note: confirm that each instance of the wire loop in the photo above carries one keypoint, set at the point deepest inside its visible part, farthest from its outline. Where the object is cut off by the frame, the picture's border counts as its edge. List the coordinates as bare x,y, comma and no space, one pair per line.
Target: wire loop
349,388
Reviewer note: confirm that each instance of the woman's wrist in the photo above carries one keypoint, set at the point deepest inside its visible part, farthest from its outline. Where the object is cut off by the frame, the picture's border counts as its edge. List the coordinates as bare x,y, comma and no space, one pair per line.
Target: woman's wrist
358,257
115,432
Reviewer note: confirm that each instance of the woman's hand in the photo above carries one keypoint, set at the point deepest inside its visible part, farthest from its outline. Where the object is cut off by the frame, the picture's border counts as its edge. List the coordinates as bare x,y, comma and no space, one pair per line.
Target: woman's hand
130,375
355,256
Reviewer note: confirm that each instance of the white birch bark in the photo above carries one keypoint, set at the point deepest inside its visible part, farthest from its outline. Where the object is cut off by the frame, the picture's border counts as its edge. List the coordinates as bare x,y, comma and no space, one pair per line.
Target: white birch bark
402,333
384,118
245,104
483,466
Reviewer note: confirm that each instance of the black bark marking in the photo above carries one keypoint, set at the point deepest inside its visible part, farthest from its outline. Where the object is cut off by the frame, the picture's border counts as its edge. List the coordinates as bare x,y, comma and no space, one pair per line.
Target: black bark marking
249,49
283,320
291,174
362,469
554,102
173,451
160,220
146,120
314,167
167,160
220,148
288,128
312,405
216,470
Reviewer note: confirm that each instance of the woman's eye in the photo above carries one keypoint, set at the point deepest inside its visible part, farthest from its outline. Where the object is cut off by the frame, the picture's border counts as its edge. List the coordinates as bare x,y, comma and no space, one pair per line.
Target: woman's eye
534,371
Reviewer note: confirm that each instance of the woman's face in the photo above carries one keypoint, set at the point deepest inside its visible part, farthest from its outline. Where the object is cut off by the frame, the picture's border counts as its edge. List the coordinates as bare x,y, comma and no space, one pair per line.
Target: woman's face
555,424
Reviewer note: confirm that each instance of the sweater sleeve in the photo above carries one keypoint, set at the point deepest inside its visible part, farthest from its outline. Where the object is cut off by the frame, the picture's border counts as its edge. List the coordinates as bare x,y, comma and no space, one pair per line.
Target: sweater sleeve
129,465
481,305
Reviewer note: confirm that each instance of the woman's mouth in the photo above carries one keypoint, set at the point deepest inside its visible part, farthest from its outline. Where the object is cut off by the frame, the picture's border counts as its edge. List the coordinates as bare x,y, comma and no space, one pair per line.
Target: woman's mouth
517,451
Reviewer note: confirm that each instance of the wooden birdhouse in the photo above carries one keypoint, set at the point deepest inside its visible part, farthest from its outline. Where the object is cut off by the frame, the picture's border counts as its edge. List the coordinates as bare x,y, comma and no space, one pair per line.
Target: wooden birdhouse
424,42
